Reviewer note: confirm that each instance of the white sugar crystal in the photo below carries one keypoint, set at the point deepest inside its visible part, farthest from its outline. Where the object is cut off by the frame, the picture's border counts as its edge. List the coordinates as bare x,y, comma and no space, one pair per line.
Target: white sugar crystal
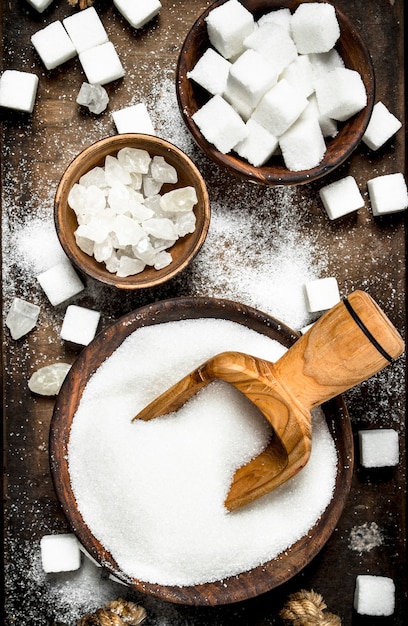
84,243
274,43
161,228
103,251
163,259
127,230
379,447
150,185
144,251
179,200
134,160
249,78
22,317
341,197
258,146
211,72
314,27
95,177
279,108
114,172
95,97
85,29
185,223
60,553
18,90
374,595
53,45
134,119
138,13
47,381
227,27
388,194
40,5
302,145
129,266
79,325
220,123
101,64
112,264
321,294
341,94
163,171
382,126
300,74
60,282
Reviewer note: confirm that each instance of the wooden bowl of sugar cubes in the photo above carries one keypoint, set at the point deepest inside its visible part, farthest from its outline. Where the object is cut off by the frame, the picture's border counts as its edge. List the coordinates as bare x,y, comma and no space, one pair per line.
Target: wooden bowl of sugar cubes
131,211
278,92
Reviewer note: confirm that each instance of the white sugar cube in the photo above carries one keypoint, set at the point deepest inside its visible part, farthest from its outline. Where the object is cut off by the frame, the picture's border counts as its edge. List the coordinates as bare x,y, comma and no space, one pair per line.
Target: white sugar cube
381,127
258,146
101,64
60,553
53,45
302,145
378,447
249,78
18,90
134,119
22,317
282,17
329,127
220,124
227,27
40,5
341,197
315,27
300,74
138,13
274,43
321,294
374,595
323,62
279,107
79,325
388,194
85,29
60,282
211,72
341,93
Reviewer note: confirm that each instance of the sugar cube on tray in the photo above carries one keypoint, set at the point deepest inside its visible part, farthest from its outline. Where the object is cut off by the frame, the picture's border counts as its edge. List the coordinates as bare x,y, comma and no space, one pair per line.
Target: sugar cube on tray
53,45
138,13
321,294
379,447
85,29
374,595
382,126
79,325
60,282
101,64
388,194
60,553
134,119
18,90
341,197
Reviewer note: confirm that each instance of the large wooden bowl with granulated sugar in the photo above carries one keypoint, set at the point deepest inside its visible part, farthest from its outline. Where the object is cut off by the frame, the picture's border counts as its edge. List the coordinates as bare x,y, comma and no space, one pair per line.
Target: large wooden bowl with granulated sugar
247,584
192,97
185,248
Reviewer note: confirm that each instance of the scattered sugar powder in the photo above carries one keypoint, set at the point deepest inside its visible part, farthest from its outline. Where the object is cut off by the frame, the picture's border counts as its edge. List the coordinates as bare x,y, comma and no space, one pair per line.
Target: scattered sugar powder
153,492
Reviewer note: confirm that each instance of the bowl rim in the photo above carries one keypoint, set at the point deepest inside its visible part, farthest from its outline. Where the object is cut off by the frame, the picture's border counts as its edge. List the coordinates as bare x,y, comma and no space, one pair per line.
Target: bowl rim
277,175
96,270
245,585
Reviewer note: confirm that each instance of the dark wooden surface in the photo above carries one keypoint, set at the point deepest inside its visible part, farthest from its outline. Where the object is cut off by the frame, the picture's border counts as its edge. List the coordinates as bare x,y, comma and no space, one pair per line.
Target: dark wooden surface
361,252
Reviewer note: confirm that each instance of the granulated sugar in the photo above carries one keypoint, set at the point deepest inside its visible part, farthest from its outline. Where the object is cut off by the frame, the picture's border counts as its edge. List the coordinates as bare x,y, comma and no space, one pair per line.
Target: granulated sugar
153,492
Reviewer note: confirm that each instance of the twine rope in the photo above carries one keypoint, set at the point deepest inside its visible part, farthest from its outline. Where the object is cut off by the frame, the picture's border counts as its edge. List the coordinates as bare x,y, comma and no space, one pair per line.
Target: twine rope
307,608
116,613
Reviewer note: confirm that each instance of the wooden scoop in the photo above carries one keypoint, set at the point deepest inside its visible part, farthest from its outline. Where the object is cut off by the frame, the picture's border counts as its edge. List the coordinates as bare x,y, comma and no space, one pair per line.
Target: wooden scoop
347,345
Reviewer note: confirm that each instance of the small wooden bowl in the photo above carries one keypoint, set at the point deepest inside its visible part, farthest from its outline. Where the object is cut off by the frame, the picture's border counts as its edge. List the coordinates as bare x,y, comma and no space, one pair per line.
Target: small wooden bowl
247,584
183,251
191,97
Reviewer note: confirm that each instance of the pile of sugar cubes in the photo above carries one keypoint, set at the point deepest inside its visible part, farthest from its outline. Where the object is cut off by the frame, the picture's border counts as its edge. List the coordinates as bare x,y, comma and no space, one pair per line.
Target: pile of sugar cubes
124,220
277,85
81,34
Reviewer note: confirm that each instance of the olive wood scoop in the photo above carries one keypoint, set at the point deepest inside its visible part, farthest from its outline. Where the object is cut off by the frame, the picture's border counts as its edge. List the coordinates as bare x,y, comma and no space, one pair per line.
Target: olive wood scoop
347,345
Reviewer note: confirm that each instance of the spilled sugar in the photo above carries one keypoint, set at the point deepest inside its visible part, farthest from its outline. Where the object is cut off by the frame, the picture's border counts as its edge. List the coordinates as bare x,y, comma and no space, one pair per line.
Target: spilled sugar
153,492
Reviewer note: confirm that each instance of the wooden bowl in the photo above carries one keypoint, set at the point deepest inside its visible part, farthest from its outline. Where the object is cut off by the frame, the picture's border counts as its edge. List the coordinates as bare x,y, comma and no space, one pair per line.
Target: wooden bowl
191,97
247,584
183,250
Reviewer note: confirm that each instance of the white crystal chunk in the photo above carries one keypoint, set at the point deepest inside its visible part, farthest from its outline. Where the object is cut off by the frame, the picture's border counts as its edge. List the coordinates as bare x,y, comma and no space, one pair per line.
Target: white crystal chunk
22,317
47,380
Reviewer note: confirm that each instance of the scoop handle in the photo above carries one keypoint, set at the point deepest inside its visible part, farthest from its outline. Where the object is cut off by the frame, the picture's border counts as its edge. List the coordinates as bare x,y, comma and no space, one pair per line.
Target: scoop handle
350,343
